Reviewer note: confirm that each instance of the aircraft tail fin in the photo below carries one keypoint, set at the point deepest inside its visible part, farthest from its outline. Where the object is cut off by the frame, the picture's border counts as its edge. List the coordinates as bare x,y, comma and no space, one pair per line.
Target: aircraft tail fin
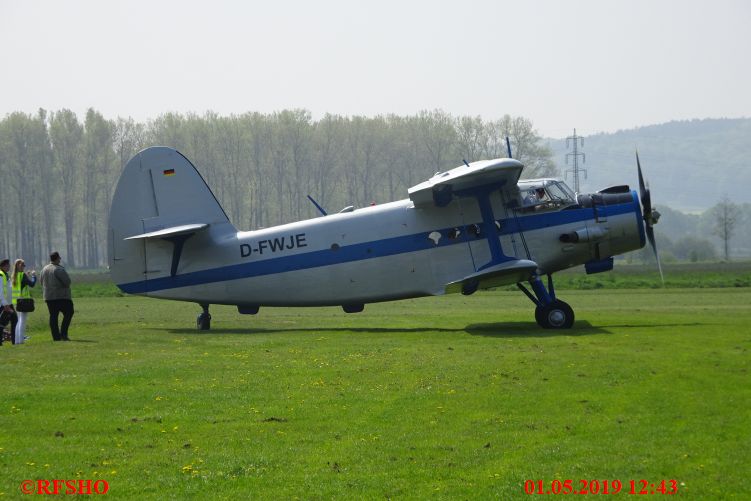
160,200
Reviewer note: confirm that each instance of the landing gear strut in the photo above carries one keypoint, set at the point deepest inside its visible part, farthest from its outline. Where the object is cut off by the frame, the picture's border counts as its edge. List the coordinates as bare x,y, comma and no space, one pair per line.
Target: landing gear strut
550,313
203,322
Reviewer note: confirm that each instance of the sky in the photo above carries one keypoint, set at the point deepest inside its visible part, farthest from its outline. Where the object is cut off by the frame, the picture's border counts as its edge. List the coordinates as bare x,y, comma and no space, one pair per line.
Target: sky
593,65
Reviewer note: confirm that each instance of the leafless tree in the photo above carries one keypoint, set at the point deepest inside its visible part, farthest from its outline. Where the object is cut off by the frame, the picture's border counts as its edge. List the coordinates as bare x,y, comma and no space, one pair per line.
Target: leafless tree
725,216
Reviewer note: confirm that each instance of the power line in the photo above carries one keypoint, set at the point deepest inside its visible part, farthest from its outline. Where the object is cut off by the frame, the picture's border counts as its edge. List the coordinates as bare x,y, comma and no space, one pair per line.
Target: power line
576,141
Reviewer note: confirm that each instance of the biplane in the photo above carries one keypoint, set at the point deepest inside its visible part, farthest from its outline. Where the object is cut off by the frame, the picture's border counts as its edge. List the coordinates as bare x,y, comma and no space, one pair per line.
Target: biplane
474,227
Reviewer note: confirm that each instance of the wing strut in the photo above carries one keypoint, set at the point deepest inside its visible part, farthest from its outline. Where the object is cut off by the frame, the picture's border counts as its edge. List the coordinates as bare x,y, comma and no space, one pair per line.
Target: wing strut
177,249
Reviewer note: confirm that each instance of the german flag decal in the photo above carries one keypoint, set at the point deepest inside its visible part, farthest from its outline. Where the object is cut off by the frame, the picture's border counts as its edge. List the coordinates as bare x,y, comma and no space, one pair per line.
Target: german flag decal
169,172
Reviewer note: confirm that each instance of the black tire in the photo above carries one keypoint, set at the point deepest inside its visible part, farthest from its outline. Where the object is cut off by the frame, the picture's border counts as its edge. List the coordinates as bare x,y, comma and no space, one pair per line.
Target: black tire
203,322
538,316
556,315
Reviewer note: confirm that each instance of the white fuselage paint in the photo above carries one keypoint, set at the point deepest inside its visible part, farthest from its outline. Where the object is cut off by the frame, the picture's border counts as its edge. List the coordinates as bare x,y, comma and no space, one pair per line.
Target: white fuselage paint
376,253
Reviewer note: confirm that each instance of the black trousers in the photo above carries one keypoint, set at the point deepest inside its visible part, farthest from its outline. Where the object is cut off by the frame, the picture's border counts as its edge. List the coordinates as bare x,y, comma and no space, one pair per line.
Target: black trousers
11,317
57,306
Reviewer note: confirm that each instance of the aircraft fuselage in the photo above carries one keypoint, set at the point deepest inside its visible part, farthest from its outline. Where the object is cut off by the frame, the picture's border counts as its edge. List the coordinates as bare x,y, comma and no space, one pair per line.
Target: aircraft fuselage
383,252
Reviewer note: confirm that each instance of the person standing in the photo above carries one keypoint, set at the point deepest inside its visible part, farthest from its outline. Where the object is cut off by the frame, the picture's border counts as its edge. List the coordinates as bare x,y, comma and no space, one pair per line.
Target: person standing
8,314
56,291
21,283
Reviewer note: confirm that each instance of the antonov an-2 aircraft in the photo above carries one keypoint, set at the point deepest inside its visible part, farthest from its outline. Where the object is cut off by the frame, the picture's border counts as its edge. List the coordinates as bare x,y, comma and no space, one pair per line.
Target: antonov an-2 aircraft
473,227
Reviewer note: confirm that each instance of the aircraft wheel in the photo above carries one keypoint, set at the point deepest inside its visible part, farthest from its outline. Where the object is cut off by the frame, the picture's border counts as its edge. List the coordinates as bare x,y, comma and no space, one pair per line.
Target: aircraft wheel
538,316
203,322
556,315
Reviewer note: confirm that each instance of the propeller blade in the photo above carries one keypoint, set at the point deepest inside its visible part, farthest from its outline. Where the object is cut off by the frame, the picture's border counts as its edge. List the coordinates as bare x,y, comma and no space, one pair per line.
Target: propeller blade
650,216
653,244
644,194
642,189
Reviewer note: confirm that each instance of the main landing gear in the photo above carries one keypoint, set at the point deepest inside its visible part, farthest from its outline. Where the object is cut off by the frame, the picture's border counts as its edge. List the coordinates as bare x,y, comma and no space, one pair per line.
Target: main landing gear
550,313
203,322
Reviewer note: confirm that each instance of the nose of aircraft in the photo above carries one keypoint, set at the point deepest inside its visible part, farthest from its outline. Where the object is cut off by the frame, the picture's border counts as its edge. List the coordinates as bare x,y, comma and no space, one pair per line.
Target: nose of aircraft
650,215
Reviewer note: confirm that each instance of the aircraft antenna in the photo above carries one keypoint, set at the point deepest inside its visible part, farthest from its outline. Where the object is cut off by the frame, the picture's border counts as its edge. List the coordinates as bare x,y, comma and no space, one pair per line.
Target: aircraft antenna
576,141
320,209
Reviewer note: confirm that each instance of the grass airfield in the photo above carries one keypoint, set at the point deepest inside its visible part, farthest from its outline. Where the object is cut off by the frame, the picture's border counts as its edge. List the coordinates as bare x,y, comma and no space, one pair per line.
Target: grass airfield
443,398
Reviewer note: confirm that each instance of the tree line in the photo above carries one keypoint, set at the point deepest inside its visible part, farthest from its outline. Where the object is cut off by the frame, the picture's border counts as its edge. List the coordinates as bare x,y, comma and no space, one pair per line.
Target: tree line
719,233
60,172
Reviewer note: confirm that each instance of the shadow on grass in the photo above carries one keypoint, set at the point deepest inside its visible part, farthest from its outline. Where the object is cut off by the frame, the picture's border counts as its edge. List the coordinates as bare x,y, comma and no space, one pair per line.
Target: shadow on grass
652,325
71,340
500,329
310,329
531,329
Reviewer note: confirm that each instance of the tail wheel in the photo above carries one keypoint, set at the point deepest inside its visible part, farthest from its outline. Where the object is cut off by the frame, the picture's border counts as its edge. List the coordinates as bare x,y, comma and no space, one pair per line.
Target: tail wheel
203,322
556,315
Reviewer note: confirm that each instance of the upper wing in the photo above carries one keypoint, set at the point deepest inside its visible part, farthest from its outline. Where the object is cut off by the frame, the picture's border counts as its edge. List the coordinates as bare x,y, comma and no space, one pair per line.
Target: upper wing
505,273
439,189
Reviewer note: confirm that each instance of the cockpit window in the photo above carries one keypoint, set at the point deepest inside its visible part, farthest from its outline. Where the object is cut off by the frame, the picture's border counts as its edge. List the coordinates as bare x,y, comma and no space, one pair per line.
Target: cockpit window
533,196
560,192
544,194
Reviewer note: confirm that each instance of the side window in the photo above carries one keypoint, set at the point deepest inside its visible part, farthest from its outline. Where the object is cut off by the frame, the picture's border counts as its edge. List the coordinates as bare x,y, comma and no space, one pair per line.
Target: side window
534,195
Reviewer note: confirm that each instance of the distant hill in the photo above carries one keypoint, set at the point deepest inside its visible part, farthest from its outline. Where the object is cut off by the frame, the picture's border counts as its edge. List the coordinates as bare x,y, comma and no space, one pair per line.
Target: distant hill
690,165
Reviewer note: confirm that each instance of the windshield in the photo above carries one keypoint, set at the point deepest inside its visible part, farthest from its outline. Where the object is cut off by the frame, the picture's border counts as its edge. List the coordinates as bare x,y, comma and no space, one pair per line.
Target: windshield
559,191
544,194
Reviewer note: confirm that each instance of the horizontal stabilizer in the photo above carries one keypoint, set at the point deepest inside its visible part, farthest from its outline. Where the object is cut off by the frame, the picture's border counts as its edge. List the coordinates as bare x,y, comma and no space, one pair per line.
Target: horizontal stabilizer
506,273
439,189
171,232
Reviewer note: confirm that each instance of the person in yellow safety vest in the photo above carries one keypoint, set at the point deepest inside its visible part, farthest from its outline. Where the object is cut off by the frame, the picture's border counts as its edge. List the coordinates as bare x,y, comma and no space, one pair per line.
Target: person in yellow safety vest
8,314
21,282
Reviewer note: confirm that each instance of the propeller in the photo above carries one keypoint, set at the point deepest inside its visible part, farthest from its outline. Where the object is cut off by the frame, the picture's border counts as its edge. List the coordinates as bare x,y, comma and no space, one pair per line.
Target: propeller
651,216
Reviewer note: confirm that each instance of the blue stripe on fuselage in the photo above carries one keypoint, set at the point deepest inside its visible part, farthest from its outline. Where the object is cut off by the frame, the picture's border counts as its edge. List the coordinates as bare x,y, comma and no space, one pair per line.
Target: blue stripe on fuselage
358,252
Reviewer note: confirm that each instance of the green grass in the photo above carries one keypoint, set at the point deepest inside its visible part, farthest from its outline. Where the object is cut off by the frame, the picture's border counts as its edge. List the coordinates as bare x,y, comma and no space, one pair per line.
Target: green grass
442,398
